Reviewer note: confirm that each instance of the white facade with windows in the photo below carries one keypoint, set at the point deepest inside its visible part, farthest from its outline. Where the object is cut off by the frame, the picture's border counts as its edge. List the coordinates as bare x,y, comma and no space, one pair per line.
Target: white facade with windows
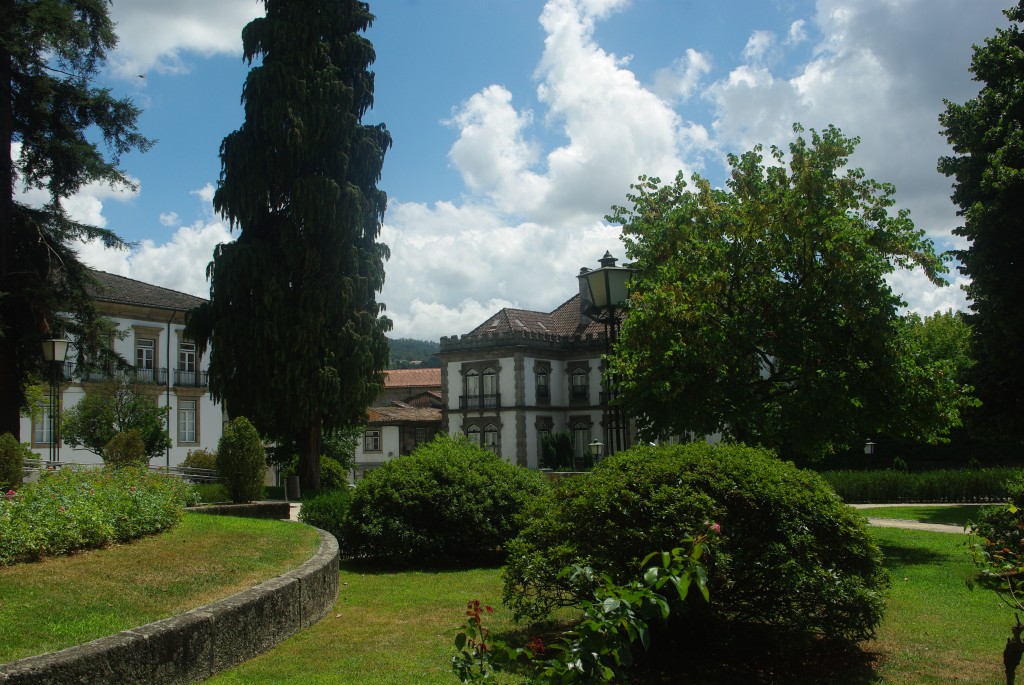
522,375
150,325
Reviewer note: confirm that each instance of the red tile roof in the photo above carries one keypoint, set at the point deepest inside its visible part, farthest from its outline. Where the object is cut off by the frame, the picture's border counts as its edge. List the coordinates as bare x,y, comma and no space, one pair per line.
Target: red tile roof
412,378
565,320
379,415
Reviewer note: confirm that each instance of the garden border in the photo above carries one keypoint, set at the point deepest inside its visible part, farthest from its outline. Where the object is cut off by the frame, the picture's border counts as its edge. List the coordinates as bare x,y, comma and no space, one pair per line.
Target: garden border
197,644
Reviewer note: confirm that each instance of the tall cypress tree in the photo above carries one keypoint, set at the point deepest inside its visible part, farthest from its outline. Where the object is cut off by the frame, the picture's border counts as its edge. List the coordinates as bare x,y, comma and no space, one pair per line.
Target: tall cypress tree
50,54
295,332
987,135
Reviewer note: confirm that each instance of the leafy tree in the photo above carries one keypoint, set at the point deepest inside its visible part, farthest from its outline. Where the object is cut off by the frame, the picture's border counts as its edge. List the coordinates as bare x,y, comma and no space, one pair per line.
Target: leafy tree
53,113
113,406
988,172
126,449
241,461
296,334
12,461
761,310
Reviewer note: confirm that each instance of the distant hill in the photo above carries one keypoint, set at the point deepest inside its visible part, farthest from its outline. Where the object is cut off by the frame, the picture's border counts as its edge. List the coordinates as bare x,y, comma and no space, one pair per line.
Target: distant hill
407,353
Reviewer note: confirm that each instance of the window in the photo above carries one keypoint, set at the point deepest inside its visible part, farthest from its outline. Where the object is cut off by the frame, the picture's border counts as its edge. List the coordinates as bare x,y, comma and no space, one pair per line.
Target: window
580,439
186,363
473,433
187,421
421,434
371,441
543,385
472,390
490,388
145,355
580,390
42,427
491,438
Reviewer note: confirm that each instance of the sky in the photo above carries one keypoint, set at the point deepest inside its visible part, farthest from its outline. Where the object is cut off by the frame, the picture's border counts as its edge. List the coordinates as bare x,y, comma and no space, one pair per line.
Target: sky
517,124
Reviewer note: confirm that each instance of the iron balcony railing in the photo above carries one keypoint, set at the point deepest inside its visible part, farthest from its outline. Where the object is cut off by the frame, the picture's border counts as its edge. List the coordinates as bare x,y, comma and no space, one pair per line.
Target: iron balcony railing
191,379
468,402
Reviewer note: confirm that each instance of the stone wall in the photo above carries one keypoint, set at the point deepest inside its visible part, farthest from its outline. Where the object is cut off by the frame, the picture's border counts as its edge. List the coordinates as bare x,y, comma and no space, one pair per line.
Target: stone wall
200,643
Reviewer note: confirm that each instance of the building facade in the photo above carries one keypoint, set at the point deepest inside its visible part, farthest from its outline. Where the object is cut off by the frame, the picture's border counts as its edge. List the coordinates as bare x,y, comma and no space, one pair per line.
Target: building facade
150,325
522,375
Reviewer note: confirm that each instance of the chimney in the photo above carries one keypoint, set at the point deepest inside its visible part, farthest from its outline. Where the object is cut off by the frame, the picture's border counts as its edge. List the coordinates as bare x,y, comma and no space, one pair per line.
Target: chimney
585,300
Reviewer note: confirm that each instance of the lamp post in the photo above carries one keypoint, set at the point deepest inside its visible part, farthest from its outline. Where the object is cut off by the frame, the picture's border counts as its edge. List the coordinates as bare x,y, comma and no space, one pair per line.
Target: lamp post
869,447
595,447
608,288
55,351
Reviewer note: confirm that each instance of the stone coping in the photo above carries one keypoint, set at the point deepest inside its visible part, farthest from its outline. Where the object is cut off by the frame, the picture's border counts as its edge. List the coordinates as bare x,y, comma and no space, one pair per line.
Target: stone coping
197,644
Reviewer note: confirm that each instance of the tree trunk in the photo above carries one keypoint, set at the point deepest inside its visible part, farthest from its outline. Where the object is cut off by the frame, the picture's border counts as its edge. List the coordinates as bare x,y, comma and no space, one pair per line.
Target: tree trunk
310,442
10,379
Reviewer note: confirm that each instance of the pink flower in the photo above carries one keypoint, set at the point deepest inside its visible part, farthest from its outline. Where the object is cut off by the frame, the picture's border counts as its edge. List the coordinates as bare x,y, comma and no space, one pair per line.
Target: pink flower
10,494
715,527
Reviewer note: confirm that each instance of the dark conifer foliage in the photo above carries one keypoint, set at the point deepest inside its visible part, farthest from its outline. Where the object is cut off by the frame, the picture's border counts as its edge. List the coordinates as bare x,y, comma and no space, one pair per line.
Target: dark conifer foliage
988,173
52,107
297,337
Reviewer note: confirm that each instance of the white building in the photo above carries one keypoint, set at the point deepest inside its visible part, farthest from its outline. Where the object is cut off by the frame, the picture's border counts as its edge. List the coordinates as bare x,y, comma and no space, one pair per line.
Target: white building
152,320
522,375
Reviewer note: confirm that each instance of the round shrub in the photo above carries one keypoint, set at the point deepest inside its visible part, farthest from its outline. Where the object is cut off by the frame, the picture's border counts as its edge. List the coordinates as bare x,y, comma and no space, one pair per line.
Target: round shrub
332,474
200,459
449,501
126,449
785,551
12,461
326,510
241,461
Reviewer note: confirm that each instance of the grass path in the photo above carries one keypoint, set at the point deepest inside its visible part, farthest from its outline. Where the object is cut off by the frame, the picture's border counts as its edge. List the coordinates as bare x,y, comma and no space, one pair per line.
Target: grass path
64,601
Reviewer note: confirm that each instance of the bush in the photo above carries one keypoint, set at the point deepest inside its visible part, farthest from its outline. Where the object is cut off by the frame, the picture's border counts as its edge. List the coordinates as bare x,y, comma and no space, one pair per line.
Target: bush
332,474
943,485
241,461
210,493
71,509
126,449
789,552
200,459
12,461
448,501
326,510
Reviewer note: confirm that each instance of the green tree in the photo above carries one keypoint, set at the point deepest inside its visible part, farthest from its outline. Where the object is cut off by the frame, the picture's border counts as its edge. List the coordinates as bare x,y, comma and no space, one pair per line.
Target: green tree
54,114
296,335
761,310
988,171
241,461
114,406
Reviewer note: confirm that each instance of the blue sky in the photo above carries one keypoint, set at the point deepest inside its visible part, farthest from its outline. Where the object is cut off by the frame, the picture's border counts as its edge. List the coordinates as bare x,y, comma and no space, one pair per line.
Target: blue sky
518,123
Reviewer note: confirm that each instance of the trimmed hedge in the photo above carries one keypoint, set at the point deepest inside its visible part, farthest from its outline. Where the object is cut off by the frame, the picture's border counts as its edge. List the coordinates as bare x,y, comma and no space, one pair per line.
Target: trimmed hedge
786,551
327,510
945,485
449,501
71,509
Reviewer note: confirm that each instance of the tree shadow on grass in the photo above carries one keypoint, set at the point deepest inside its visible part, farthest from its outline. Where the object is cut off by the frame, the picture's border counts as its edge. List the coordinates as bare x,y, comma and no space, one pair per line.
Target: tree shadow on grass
386,566
905,555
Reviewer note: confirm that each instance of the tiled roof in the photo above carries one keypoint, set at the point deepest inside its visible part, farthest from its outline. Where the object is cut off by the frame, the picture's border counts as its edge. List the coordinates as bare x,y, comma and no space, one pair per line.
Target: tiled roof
412,378
563,321
121,290
380,415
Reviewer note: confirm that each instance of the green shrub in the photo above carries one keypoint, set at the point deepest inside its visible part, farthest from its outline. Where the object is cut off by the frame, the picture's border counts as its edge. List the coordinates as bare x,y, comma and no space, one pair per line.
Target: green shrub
943,485
448,501
332,474
241,461
12,461
327,510
200,459
789,553
211,492
71,509
126,449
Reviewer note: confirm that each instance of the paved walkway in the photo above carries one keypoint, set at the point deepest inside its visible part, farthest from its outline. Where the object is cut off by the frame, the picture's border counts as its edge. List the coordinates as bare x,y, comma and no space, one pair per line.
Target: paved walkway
912,525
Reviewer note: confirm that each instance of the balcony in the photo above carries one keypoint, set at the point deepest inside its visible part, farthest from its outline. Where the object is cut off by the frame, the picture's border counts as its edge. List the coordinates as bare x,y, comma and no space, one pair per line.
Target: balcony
470,402
190,379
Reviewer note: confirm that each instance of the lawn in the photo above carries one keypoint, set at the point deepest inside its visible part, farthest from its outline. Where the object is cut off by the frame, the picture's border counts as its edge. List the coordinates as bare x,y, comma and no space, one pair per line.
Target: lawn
396,628
64,601
955,515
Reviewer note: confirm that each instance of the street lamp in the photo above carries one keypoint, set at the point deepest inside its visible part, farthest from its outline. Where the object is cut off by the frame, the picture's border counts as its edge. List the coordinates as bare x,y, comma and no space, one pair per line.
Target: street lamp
608,290
595,450
55,351
869,447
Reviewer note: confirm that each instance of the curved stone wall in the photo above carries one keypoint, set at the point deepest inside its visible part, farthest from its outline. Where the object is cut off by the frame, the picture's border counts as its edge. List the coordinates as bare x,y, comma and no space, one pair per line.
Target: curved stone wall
199,643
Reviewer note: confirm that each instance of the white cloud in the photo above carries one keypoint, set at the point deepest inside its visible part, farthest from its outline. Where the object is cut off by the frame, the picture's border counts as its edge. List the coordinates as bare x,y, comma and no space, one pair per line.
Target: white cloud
760,46
169,219
205,194
797,32
159,34
679,81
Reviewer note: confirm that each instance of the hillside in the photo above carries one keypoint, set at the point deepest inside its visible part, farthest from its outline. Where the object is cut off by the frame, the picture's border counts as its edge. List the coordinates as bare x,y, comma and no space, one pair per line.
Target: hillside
407,353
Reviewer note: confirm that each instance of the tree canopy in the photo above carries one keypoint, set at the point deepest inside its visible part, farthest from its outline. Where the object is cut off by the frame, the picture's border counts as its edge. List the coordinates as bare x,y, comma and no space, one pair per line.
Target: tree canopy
54,115
988,171
296,336
112,407
761,311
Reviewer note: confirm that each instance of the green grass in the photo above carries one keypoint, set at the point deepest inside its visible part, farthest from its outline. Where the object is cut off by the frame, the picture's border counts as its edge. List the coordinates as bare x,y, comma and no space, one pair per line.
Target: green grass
956,515
64,601
395,628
